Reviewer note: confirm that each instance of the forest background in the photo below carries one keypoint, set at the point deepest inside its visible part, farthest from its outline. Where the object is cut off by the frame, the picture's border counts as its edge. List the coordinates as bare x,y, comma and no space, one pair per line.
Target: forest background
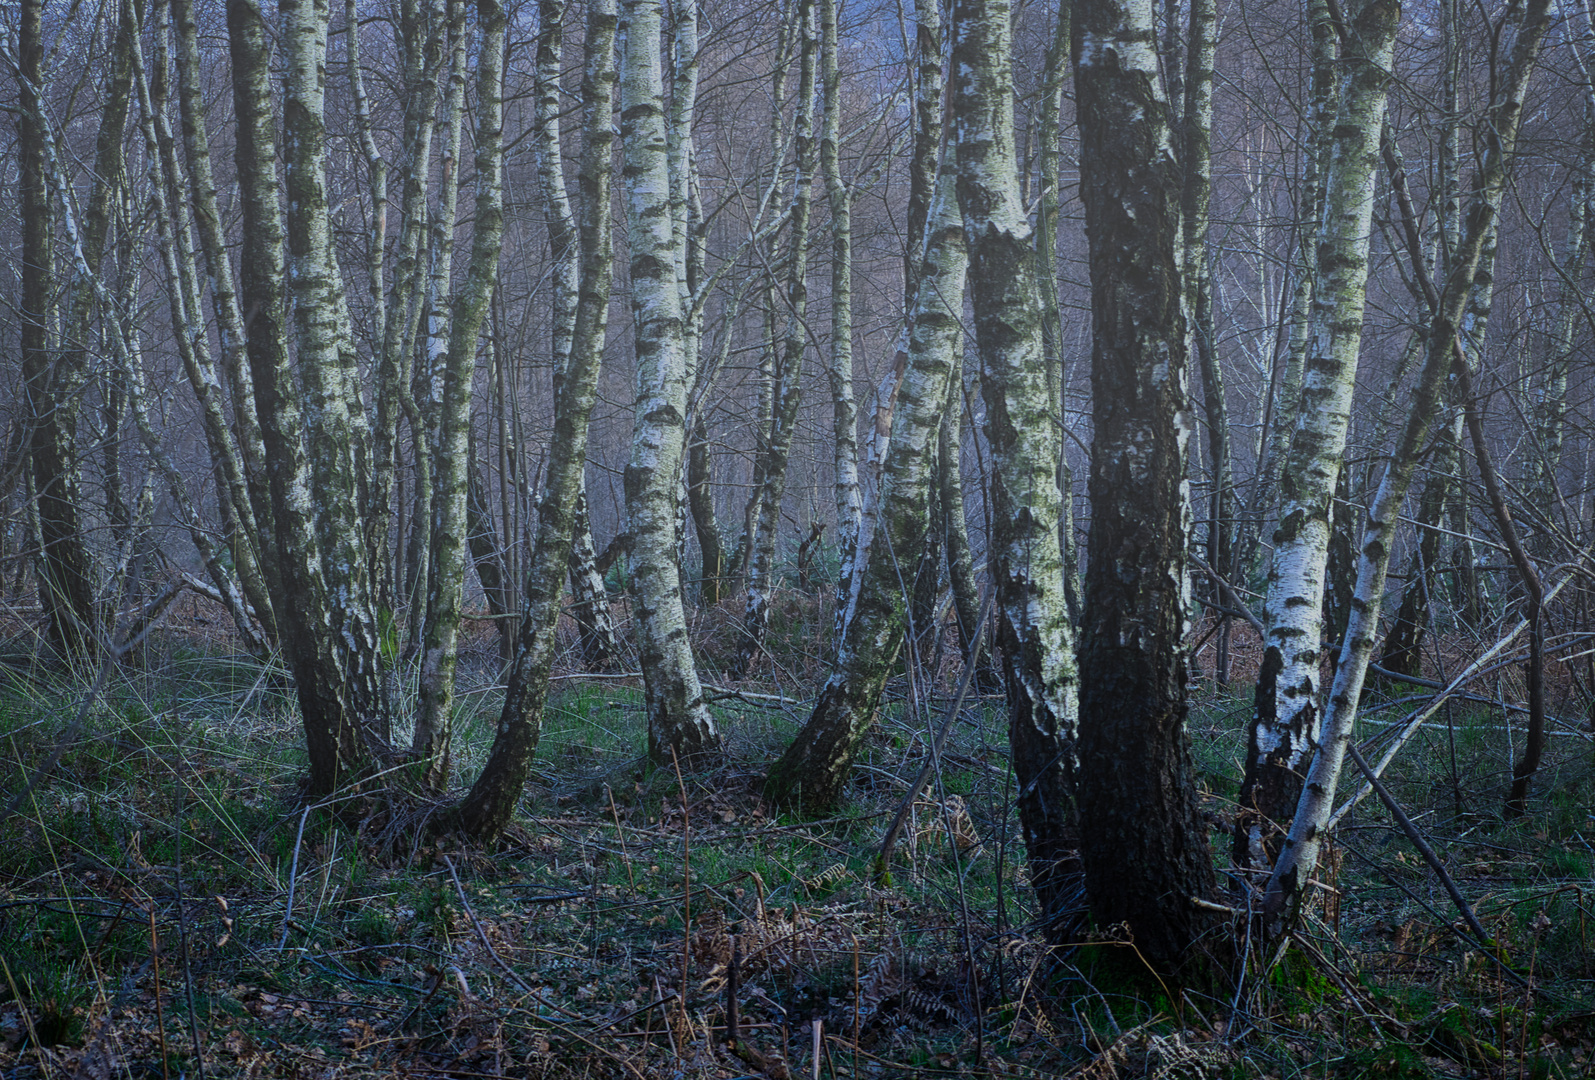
741,539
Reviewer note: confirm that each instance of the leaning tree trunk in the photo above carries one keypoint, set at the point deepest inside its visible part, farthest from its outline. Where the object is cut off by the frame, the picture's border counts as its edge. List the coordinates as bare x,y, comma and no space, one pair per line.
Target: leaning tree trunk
440,652
1144,848
243,462
679,723
1026,561
491,802
814,770
1284,729
1288,882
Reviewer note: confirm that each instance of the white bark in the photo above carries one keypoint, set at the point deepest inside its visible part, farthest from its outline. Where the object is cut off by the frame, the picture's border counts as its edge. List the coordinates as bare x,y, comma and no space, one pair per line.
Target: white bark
679,722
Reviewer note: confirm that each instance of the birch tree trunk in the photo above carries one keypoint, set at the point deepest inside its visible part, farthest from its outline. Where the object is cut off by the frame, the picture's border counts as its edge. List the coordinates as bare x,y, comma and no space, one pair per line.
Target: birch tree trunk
1285,384
422,30
844,409
319,550
590,602
440,653
491,802
1284,729
244,459
788,391
1443,351
679,723
1048,206
1196,159
813,771
50,379
428,377
1033,628
1144,849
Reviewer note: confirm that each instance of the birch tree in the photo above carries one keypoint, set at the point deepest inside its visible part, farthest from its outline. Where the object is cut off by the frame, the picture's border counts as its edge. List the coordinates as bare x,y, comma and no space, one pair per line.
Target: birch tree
1284,390
1284,727
814,770
678,719
1298,856
440,652
844,409
308,443
1026,562
1143,848
491,802
788,386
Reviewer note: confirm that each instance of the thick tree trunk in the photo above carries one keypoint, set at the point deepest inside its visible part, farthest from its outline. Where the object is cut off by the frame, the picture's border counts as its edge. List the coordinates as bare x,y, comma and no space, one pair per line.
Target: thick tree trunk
1026,561
328,626
1144,848
1284,728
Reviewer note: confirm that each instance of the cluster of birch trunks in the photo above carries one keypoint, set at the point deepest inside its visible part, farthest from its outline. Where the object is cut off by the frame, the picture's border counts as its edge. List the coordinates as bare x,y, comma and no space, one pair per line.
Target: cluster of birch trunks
268,201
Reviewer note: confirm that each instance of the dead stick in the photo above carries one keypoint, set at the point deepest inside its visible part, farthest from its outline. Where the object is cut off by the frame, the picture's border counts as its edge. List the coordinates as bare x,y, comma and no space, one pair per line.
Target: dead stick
481,936
1423,848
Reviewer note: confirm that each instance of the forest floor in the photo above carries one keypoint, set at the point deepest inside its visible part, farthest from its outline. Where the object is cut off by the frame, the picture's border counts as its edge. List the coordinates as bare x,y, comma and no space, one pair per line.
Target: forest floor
170,908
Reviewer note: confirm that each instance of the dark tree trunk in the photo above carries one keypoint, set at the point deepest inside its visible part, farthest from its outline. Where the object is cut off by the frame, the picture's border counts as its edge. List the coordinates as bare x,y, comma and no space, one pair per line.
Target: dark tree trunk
1144,848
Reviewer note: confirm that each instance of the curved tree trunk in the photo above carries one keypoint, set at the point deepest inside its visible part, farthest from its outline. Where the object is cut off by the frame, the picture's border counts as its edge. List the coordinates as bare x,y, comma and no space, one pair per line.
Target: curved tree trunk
814,770
491,802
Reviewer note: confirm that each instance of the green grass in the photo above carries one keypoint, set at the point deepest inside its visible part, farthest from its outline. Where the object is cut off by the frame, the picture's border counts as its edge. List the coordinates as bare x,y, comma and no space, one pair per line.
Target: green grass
183,782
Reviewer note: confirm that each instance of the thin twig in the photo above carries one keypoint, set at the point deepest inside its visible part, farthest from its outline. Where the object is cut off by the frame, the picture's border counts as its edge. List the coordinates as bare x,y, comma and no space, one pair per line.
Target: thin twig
480,935
1423,847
